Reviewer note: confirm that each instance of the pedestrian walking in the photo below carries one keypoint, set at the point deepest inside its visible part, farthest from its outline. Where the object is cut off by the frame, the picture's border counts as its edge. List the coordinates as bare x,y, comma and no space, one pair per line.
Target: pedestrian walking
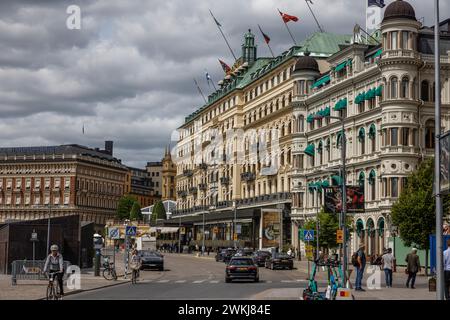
359,261
387,261
447,270
413,266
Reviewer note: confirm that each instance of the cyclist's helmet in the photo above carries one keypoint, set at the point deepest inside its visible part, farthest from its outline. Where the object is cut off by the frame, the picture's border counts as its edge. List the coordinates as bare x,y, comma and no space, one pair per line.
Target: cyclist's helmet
54,247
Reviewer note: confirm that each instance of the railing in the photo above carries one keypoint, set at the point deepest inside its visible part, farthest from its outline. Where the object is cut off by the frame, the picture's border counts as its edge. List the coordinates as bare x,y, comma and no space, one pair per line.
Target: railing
248,176
202,186
182,194
224,180
188,173
30,270
400,53
193,190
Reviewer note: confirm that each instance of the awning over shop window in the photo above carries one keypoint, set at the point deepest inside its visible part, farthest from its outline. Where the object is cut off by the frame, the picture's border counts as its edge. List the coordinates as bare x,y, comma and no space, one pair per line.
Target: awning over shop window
360,98
341,104
322,81
164,230
370,94
379,91
310,150
310,118
325,183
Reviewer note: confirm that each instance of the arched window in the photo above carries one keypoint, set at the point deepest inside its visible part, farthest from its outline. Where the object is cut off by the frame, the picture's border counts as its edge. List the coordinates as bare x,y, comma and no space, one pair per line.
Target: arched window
320,153
361,178
301,123
372,177
433,92
404,91
425,91
362,140
429,134
372,136
327,146
394,88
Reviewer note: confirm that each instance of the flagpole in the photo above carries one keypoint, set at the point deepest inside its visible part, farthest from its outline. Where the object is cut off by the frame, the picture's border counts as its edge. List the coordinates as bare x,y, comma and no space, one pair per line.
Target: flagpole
287,28
314,16
200,91
218,26
266,41
214,86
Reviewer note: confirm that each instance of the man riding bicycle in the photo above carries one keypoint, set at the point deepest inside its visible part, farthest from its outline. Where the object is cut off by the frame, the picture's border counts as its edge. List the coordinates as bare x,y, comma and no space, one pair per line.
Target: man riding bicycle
55,266
135,264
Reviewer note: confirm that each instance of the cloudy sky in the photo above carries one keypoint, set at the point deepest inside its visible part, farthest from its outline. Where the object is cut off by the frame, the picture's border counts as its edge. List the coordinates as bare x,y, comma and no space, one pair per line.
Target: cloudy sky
127,75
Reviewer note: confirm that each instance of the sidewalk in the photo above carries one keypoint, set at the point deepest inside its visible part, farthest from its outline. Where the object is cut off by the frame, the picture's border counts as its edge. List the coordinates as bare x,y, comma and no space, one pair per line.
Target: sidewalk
36,289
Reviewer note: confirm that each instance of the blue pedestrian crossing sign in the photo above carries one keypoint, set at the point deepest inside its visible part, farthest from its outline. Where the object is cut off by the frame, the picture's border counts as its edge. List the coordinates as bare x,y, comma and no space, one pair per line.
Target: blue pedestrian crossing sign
131,231
308,235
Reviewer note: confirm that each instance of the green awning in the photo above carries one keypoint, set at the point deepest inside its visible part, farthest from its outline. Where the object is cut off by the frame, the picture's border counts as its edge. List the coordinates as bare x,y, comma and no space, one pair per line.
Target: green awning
310,150
325,183
370,94
341,104
327,112
360,98
372,131
310,118
336,180
341,66
321,81
378,53
361,134
379,91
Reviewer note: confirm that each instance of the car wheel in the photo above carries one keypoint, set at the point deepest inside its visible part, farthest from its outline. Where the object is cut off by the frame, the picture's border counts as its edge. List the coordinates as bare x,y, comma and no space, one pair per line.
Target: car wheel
257,279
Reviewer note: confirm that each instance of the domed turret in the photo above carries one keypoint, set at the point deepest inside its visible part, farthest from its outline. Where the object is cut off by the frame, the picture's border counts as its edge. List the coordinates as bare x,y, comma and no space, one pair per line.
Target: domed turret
306,62
399,10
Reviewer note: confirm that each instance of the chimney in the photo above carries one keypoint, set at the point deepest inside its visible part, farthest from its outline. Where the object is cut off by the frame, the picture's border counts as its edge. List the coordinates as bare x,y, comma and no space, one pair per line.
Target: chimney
109,147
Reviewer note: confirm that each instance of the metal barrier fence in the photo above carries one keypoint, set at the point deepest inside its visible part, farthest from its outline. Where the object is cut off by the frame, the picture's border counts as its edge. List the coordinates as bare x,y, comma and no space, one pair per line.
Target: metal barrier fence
31,270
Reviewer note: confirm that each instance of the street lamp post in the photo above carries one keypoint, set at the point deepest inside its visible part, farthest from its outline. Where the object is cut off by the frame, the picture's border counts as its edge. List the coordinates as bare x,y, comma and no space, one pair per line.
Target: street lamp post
437,118
343,216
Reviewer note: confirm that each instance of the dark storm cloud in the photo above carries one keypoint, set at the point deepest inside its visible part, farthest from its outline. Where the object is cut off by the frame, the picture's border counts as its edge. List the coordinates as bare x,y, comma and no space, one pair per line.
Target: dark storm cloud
127,74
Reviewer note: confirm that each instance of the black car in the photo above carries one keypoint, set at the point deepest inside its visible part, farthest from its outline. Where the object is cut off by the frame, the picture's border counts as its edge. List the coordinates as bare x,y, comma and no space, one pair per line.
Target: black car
280,261
241,268
229,253
260,257
221,254
246,252
151,260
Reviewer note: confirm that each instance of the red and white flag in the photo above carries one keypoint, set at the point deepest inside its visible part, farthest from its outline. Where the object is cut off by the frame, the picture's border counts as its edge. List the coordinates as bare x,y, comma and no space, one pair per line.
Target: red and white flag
286,17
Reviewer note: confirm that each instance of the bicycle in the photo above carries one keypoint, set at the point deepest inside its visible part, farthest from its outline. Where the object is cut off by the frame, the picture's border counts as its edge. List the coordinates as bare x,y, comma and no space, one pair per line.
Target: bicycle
53,292
134,275
109,271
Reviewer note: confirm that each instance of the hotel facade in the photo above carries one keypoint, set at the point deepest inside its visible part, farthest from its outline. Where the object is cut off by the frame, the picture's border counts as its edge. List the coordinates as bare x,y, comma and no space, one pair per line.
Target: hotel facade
265,141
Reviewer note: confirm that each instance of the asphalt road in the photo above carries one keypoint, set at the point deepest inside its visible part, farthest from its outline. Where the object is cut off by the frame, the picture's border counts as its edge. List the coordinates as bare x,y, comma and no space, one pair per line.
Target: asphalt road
189,277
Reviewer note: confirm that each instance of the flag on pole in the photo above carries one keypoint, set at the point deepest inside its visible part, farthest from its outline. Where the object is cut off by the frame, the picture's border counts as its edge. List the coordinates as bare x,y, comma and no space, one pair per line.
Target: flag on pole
215,20
378,3
286,17
266,37
225,67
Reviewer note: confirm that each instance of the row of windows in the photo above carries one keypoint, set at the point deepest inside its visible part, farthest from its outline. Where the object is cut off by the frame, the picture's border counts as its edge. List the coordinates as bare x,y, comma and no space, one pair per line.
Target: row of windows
30,199
16,183
102,187
97,202
399,40
262,112
269,84
32,169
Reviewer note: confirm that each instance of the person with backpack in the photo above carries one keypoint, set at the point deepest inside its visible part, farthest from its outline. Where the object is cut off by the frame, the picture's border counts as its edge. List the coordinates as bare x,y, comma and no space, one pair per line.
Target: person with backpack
359,262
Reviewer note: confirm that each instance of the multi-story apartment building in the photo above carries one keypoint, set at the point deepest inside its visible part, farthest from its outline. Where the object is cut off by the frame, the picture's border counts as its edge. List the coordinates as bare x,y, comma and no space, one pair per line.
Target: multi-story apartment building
219,174
385,95
383,89
155,172
60,180
139,185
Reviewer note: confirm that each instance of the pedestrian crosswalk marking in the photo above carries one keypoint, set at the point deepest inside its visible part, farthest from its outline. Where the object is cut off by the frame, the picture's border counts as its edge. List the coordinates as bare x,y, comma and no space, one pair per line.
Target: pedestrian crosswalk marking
180,281
214,281
199,281
163,281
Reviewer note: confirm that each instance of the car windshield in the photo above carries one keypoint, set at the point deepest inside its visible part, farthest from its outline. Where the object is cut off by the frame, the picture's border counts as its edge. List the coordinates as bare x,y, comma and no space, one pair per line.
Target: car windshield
149,254
281,256
241,262
262,253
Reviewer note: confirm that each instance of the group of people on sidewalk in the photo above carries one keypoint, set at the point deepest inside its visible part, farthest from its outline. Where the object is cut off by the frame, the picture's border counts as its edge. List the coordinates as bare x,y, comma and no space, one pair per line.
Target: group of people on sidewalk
387,263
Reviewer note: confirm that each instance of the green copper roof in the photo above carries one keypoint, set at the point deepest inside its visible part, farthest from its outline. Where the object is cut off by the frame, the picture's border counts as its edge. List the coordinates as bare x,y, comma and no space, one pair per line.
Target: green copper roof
325,43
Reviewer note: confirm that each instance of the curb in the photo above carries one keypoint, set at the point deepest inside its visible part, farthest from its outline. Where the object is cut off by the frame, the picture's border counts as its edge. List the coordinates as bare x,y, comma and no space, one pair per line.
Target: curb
92,289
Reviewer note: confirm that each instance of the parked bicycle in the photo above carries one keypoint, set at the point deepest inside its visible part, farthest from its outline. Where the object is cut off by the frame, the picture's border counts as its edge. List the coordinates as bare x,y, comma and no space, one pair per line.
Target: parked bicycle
109,271
53,291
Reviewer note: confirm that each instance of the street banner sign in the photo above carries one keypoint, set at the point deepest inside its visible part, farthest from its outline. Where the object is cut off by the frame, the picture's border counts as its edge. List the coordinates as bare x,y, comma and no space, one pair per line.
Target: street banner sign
308,235
235,236
309,251
238,228
340,236
271,225
113,233
182,230
333,199
131,231
444,142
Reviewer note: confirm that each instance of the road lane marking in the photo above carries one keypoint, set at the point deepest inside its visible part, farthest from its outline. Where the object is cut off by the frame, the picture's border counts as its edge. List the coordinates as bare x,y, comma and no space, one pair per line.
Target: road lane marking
287,281
180,281
162,281
214,281
198,281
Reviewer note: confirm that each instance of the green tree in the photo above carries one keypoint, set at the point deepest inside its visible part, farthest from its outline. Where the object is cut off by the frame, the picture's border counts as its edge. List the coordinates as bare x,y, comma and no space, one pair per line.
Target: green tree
136,211
124,207
158,212
328,225
414,211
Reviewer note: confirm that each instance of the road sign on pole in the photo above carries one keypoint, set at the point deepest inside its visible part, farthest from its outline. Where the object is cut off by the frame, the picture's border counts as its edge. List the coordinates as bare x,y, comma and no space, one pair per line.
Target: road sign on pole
131,231
308,235
113,233
309,250
340,236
